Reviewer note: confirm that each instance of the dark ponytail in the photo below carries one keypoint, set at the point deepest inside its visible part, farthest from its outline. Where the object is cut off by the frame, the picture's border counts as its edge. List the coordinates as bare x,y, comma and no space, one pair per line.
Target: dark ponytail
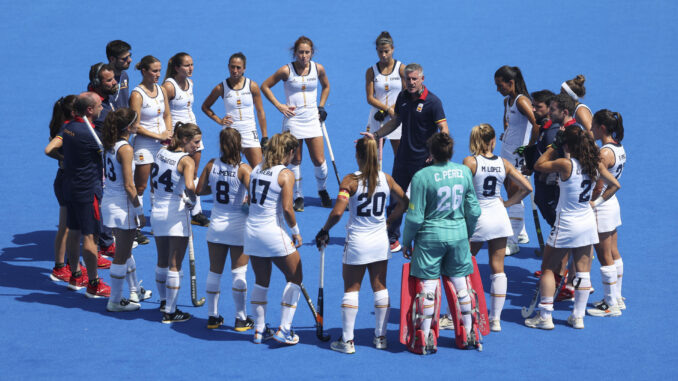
62,111
508,73
612,122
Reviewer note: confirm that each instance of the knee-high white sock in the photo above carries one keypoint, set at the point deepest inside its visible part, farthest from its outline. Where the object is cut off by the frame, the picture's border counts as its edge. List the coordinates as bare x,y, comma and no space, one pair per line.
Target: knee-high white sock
290,297
296,170
619,264
117,278
239,289
160,281
197,209
213,289
321,176
464,302
131,275
582,290
259,302
545,306
381,309
152,196
173,284
428,308
497,294
516,215
349,310
608,275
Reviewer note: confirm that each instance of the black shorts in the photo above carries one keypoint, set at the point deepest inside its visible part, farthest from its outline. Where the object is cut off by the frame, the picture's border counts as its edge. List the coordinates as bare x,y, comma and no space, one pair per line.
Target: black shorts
83,216
58,187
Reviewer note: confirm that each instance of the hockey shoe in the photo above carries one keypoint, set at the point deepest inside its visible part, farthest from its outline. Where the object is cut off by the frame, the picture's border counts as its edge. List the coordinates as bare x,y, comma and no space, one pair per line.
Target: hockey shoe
380,342
61,274
575,322
299,204
495,326
289,338
343,346
98,289
176,317
395,247
77,283
122,306
325,199
200,220
140,295
214,322
538,322
243,325
602,309
512,248
446,322
260,337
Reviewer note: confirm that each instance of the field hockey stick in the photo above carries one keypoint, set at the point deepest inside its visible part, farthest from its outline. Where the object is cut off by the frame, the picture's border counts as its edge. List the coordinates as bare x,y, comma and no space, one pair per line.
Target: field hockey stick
191,260
537,225
329,147
318,319
321,301
527,311
94,134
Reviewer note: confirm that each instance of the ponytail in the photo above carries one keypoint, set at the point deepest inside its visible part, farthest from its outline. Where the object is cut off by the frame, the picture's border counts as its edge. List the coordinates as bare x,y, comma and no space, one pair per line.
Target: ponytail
115,126
612,123
230,144
183,131
366,151
277,149
62,111
513,73
481,139
175,61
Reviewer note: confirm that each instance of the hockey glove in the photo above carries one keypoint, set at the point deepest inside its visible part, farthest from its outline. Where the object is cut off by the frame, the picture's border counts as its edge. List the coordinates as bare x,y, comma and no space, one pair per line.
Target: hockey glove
322,113
322,238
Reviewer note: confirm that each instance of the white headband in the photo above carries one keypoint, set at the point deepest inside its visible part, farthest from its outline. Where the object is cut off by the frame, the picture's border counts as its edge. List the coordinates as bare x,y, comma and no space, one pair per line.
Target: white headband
569,91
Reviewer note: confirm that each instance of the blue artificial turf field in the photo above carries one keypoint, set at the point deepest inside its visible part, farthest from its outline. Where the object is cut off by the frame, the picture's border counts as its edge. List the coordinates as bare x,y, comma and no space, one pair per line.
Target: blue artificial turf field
627,50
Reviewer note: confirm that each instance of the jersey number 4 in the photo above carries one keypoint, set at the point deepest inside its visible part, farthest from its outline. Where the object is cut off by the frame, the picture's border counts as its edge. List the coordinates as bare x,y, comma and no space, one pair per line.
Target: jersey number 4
165,178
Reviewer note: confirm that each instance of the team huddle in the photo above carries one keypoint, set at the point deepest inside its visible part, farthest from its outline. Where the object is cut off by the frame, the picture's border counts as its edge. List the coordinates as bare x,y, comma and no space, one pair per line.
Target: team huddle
112,143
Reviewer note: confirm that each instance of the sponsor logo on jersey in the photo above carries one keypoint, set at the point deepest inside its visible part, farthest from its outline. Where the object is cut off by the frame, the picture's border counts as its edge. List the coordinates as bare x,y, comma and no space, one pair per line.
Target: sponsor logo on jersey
420,106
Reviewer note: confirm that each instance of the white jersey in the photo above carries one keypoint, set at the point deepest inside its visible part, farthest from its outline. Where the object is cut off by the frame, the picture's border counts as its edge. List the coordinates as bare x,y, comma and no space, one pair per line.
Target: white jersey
152,110
386,90
166,180
489,177
519,128
181,107
619,161
301,92
265,203
387,86
115,183
228,192
575,113
575,192
368,213
239,106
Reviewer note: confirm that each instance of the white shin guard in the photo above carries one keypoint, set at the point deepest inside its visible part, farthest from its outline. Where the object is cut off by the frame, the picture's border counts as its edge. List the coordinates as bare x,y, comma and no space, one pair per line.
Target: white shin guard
290,297
259,302
381,309
582,290
296,170
117,274
497,294
321,175
239,290
213,290
349,311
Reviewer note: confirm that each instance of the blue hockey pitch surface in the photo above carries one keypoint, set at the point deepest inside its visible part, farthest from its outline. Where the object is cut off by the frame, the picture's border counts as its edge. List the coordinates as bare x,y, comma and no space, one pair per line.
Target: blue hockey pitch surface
627,50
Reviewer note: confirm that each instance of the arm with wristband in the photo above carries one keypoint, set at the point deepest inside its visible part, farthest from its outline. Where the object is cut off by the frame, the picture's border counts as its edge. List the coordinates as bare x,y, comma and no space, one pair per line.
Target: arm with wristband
286,182
346,189
613,185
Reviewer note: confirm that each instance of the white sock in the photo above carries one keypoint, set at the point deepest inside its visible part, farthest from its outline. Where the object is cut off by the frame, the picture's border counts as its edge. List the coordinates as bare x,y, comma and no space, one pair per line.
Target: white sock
197,209
160,280
608,274
131,276
619,264
259,304
516,215
428,308
349,310
497,294
290,297
117,278
239,289
545,306
381,310
464,302
296,170
321,176
152,196
173,284
582,290
213,289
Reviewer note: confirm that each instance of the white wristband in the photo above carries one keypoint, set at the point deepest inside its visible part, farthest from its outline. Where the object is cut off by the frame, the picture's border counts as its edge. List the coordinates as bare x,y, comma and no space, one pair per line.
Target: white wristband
598,201
295,230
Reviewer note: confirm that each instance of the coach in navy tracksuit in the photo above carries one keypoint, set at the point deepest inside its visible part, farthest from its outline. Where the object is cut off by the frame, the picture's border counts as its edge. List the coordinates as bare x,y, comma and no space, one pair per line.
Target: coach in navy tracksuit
421,114
82,186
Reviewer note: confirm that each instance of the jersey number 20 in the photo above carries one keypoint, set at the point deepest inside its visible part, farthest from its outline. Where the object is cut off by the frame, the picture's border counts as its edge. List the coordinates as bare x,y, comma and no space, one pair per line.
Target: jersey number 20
378,204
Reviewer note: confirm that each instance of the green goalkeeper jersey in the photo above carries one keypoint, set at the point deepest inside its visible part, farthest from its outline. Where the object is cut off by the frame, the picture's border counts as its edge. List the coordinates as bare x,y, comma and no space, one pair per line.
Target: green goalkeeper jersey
443,204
